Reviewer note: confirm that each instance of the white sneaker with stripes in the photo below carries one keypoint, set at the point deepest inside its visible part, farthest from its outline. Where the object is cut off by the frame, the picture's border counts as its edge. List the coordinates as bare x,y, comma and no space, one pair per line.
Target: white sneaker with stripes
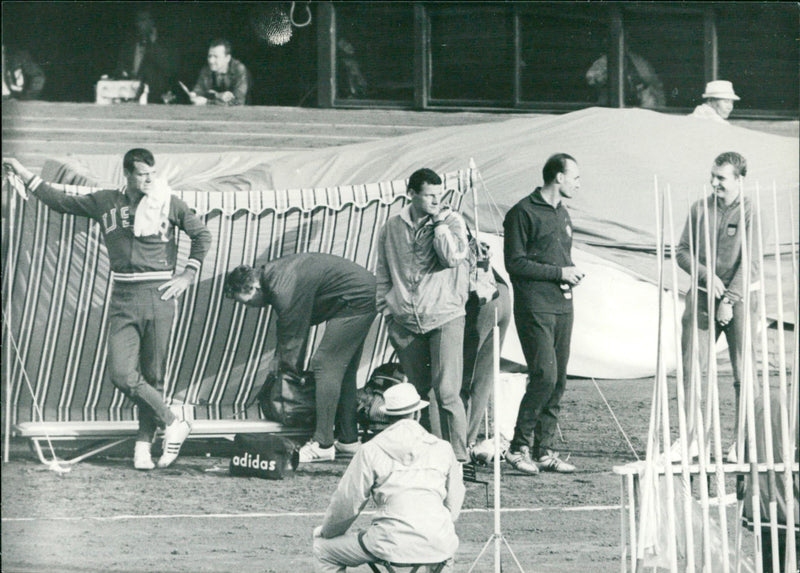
311,452
174,436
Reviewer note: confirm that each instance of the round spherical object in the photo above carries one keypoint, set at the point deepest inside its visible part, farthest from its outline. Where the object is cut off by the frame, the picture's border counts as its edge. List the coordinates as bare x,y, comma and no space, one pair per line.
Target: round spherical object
273,26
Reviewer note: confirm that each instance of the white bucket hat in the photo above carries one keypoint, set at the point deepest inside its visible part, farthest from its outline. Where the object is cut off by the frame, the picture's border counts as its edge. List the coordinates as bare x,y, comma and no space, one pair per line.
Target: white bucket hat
720,89
401,399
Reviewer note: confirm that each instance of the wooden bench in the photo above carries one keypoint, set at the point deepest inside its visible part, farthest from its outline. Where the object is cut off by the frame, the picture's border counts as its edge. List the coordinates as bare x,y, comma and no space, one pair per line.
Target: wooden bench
105,435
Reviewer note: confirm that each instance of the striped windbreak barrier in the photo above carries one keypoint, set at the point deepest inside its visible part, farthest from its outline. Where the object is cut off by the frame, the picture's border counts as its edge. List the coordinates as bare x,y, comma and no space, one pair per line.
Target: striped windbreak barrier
56,294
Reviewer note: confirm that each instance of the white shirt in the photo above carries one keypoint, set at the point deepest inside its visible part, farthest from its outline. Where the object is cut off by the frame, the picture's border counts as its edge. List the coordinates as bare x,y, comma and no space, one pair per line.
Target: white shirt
705,111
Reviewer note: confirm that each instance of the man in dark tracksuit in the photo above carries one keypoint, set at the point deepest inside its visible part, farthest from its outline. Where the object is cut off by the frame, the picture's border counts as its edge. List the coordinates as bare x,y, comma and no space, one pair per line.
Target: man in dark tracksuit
537,245
139,224
307,289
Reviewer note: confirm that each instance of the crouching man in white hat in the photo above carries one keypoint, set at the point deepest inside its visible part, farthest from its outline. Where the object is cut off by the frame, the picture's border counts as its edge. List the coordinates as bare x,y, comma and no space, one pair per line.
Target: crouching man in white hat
718,105
416,484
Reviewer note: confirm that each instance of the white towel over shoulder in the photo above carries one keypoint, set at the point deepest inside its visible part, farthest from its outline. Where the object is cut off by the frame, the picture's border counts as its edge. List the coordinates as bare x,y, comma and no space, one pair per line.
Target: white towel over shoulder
152,213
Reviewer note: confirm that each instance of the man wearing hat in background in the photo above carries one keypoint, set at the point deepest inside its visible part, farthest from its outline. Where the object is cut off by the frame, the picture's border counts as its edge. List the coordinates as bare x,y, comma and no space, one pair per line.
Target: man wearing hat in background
416,484
719,98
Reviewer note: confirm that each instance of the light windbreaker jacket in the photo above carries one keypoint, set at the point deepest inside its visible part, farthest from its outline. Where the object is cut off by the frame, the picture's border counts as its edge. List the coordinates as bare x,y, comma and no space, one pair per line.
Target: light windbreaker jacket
416,484
423,273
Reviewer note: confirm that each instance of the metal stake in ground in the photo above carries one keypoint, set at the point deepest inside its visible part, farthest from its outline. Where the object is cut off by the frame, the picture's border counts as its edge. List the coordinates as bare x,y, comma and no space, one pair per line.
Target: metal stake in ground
497,536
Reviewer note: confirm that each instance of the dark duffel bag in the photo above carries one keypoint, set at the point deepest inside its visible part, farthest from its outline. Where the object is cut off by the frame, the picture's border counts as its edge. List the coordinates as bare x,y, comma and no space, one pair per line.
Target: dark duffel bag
263,456
289,399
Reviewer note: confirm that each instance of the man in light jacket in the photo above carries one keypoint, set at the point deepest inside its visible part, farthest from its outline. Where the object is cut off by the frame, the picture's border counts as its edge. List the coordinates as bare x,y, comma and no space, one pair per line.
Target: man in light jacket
422,290
416,483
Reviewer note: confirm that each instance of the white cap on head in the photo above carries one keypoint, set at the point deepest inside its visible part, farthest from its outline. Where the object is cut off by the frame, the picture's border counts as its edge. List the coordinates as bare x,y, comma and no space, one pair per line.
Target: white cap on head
401,399
720,89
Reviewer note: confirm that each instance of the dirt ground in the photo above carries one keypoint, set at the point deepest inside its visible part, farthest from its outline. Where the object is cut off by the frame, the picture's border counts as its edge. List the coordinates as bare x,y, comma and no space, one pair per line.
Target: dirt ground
106,516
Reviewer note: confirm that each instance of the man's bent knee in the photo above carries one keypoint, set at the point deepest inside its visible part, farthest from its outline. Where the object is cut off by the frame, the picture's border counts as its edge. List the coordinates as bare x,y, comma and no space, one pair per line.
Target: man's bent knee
130,385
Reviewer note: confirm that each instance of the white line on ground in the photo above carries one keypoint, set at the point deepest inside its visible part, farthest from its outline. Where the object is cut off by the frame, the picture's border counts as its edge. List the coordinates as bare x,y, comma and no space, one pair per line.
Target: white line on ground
290,514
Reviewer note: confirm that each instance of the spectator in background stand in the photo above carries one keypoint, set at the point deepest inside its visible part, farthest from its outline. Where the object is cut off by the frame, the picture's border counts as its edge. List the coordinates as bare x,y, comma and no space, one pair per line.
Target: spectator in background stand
354,83
718,105
146,58
22,77
224,81
643,87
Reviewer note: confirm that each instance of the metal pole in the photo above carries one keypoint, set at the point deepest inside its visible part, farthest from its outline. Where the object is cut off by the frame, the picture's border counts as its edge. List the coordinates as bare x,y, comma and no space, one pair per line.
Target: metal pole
12,213
496,397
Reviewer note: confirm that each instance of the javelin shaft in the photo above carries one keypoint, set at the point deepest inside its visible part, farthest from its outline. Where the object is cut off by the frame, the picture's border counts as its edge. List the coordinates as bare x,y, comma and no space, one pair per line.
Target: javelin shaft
788,449
713,385
661,376
765,383
747,381
698,432
685,439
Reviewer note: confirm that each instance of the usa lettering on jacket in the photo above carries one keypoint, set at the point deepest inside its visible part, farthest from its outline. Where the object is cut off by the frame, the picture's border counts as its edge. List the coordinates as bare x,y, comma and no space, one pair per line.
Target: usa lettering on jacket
132,258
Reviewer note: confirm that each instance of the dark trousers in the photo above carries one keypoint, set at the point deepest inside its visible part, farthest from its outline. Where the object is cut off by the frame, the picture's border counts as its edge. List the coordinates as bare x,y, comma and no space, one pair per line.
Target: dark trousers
335,366
476,384
545,341
139,327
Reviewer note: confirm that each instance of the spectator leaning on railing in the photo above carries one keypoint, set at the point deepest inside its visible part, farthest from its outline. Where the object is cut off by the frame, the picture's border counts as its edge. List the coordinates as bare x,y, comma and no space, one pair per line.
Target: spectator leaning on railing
224,80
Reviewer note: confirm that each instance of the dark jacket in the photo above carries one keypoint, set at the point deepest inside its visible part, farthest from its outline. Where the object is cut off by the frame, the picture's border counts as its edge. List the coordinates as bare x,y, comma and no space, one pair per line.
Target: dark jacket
236,80
310,288
133,259
158,68
537,245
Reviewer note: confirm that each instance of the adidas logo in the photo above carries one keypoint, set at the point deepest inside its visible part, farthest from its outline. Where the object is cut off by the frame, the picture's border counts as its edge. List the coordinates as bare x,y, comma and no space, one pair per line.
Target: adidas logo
248,461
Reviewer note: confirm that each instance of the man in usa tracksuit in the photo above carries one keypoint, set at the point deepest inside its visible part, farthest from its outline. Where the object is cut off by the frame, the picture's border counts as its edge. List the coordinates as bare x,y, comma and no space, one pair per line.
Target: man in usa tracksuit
139,225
